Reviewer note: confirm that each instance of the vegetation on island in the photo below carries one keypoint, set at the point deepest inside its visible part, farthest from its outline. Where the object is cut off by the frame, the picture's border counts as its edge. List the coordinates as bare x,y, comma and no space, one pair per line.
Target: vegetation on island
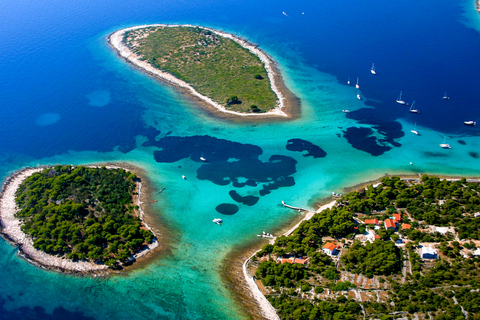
215,66
377,271
82,213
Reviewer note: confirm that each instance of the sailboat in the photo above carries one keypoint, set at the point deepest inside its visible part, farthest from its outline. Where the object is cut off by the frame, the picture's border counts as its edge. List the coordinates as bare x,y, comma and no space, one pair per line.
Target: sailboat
358,95
372,70
445,97
357,86
348,81
415,129
445,145
399,99
412,110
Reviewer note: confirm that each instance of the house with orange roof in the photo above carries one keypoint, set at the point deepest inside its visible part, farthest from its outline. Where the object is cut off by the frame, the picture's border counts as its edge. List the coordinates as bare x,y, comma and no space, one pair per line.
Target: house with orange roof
397,217
372,221
389,224
299,261
406,226
330,248
287,261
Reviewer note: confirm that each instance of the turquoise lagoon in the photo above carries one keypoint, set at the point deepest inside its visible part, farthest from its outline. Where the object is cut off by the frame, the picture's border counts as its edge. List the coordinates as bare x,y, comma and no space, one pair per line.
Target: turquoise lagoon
67,98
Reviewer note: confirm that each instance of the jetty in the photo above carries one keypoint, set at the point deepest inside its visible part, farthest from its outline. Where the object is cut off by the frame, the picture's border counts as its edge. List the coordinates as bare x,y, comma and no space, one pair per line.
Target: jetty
292,207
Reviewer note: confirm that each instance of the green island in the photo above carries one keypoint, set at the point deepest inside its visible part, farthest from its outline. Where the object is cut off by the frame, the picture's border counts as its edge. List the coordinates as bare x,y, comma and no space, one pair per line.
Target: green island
214,65
82,213
402,248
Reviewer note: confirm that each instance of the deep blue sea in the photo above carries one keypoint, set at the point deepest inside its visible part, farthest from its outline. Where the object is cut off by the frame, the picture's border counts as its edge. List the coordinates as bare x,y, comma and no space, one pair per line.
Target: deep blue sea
65,97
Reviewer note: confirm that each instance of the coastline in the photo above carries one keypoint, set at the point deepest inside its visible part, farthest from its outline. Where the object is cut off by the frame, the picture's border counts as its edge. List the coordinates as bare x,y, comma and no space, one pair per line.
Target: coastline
244,285
238,277
288,106
10,229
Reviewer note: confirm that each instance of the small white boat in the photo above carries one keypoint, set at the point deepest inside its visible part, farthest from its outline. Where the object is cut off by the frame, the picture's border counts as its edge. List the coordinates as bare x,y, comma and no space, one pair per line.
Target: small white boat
412,109
203,159
345,111
469,123
348,81
359,97
445,97
415,129
218,221
357,85
399,99
184,178
372,70
445,145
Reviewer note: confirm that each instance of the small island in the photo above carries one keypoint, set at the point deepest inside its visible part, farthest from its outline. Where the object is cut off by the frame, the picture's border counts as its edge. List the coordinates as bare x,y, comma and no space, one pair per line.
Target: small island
216,69
75,218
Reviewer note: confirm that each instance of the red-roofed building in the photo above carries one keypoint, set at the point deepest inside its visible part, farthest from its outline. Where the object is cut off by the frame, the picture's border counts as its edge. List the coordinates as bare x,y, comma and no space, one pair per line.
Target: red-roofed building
299,261
406,226
330,248
377,237
397,217
372,221
390,224
287,261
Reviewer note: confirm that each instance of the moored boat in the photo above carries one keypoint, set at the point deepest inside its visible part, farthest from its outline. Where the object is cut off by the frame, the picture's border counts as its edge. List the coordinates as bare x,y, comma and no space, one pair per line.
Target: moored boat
399,99
218,221
415,129
445,145
412,108
469,123
357,85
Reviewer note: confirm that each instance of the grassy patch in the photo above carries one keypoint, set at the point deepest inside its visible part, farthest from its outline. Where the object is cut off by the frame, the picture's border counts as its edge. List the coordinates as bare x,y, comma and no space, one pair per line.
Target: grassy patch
216,67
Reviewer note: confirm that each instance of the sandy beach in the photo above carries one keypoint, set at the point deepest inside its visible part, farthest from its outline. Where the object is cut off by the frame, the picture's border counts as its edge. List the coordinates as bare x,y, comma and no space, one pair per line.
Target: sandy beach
287,106
243,283
11,231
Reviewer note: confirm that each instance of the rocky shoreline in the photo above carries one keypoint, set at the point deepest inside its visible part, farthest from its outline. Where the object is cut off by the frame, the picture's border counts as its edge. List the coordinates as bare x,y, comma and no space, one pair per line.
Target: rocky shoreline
288,104
10,229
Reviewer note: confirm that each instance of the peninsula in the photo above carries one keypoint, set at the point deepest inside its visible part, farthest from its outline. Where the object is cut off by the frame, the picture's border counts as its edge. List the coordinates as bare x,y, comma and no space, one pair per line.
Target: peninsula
76,219
404,248
220,71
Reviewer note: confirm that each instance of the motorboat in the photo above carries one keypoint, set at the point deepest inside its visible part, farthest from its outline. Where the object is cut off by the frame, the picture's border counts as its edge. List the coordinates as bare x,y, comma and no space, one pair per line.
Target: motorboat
218,221
372,70
469,123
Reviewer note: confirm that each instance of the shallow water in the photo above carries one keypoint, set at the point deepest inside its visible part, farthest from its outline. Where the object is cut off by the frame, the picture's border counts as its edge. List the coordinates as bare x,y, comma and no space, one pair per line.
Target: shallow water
67,98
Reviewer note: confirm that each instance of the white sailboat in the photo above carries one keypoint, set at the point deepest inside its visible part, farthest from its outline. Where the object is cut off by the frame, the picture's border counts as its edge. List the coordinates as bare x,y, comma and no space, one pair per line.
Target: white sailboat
412,110
372,70
415,129
445,97
445,145
399,99
357,85
359,97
